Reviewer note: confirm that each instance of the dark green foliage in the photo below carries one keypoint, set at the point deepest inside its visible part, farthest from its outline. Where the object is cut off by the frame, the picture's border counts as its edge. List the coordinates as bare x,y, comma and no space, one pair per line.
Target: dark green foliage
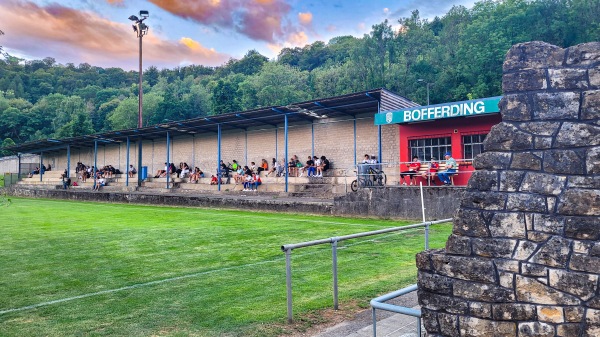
460,54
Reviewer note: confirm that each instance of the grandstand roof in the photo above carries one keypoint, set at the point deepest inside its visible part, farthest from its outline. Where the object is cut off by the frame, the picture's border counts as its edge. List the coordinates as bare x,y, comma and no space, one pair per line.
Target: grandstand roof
349,105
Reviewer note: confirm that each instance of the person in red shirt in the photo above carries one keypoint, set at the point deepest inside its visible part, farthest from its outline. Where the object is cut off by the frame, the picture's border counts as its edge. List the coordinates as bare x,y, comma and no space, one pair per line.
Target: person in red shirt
413,168
430,174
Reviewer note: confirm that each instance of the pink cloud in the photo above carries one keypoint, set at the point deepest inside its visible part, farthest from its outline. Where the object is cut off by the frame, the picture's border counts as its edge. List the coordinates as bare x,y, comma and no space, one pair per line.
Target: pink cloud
76,36
305,18
116,3
263,20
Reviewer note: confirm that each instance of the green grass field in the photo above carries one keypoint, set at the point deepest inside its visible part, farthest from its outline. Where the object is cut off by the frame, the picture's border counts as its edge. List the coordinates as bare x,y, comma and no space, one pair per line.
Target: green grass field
164,271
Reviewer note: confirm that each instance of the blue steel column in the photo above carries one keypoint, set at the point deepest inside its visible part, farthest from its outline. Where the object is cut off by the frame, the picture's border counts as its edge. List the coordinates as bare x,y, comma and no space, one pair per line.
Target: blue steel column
219,155
95,160
285,132
19,167
41,163
355,162
379,138
312,138
127,164
68,161
168,161
193,153
246,147
139,183
276,147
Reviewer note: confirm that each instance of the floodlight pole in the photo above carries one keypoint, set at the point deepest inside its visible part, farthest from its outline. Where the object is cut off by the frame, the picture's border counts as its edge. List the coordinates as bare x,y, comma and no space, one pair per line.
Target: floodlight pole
140,29
428,84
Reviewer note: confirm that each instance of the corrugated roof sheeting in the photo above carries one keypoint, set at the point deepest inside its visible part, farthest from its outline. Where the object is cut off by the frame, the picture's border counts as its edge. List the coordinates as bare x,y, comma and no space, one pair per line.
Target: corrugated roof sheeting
349,106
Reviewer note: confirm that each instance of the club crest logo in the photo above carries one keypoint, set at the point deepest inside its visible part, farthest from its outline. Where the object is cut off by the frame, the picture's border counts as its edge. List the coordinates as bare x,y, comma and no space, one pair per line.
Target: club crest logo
388,117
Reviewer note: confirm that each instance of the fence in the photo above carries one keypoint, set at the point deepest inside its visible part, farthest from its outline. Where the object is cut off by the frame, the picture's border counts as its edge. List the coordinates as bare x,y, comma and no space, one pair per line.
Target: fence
287,249
388,173
9,179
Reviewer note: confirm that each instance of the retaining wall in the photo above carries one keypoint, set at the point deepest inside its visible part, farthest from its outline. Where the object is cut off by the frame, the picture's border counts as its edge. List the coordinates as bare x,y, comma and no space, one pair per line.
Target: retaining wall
389,202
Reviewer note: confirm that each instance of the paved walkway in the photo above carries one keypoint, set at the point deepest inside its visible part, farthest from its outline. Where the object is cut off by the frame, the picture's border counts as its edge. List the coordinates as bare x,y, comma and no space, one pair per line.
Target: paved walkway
388,324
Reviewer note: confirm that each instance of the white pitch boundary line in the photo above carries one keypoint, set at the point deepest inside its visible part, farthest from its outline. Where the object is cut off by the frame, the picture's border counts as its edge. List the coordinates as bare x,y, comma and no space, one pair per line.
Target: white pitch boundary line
308,220
177,278
293,219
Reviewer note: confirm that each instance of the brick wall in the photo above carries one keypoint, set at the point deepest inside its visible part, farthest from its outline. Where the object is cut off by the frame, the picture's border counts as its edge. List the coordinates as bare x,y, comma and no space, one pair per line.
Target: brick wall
333,138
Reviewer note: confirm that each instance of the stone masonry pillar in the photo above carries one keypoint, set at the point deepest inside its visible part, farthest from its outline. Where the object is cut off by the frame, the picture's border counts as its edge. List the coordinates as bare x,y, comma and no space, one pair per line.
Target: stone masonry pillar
524,255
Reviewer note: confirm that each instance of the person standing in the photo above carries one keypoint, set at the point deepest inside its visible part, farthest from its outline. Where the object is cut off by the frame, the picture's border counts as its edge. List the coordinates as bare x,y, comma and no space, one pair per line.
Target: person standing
451,166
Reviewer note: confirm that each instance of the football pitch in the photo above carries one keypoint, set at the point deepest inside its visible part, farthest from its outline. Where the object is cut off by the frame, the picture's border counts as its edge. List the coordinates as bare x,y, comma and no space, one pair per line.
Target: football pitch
95,269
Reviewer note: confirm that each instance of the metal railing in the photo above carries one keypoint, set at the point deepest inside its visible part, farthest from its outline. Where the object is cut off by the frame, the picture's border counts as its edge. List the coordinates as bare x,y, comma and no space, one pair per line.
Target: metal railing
379,303
287,249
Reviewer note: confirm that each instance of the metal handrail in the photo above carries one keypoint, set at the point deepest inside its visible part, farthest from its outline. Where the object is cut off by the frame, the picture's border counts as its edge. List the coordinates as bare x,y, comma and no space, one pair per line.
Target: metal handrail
379,303
287,249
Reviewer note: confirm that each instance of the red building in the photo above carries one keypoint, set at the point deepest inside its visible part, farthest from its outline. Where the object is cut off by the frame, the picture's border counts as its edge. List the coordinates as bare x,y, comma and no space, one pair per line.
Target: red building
428,132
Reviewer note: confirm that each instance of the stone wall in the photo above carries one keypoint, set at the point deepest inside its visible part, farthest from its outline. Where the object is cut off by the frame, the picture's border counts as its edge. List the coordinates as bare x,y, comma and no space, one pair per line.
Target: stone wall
389,202
524,256
400,202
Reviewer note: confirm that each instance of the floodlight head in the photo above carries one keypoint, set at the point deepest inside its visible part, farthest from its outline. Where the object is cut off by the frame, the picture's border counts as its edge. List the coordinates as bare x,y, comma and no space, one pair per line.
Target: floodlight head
144,14
134,28
133,18
143,28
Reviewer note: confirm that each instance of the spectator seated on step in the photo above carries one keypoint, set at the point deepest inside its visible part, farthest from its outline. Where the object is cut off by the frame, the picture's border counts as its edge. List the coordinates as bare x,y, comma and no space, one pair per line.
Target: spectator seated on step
253,167
264,166
99,183
196,175
183,170
238,175
214,180
66,181
310,168
294,166
323,166
255,182
247,181
35,171
162,173
131,171
224,169
172,169
273,169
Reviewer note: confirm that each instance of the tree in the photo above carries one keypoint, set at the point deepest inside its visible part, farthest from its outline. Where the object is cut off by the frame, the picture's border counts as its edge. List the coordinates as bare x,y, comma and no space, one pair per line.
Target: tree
225,97
250,64
79,125
151,75
7,142
277,84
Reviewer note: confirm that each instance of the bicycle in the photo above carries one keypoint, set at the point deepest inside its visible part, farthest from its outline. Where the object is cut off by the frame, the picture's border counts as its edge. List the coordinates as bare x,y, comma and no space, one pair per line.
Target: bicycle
373,177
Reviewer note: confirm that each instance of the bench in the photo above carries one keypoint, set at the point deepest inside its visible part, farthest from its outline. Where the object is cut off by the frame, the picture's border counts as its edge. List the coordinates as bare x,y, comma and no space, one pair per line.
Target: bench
424,172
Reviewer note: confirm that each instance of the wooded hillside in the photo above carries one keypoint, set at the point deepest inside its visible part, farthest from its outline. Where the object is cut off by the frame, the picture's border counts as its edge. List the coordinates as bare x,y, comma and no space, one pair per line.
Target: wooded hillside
460,54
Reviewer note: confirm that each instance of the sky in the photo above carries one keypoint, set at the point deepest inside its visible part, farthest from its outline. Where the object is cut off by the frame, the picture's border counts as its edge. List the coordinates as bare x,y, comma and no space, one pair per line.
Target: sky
184,32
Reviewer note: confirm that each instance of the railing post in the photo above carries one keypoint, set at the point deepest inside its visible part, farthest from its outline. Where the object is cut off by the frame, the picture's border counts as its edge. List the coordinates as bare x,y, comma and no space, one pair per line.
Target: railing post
375,322
335,273
419,326
427,235
288,282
